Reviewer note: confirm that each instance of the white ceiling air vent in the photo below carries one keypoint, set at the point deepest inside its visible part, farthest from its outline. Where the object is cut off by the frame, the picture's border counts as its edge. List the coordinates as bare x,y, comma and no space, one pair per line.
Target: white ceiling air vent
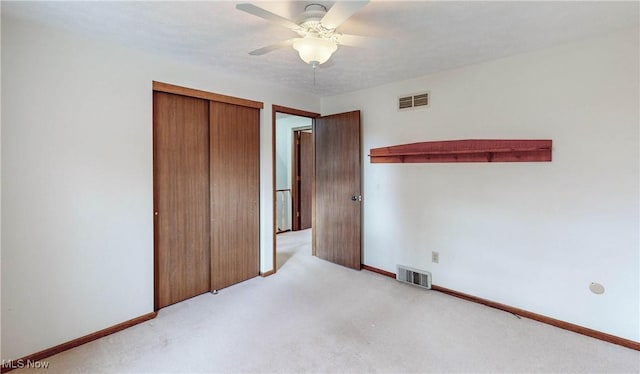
413,101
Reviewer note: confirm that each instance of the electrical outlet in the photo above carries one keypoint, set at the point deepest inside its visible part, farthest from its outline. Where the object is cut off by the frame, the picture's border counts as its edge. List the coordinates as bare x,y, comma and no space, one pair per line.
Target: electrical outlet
435,257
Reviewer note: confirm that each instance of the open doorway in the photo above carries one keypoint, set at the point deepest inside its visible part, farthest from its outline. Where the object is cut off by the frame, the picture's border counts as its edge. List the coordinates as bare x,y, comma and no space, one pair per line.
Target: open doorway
294,172
293,178
336,193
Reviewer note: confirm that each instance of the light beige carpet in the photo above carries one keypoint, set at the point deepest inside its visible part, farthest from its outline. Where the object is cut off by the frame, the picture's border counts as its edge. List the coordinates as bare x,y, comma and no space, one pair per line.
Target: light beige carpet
314,316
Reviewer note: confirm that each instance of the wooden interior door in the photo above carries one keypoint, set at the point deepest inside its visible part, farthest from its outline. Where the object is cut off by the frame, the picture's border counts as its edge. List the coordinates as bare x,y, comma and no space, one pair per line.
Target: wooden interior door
337,226
181,197
303,175
306,178
235,173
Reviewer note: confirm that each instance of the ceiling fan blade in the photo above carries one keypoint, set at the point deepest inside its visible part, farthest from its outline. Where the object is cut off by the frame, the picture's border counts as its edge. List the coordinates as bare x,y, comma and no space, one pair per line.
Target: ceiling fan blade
362,41
265,14
340,12
273,47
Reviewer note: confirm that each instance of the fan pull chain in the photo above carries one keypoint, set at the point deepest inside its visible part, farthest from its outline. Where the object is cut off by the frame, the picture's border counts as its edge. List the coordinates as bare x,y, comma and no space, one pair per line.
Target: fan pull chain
314,65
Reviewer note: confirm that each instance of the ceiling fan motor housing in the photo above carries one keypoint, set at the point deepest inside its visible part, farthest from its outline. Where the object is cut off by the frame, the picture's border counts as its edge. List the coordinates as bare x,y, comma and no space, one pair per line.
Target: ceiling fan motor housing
310,21
312,13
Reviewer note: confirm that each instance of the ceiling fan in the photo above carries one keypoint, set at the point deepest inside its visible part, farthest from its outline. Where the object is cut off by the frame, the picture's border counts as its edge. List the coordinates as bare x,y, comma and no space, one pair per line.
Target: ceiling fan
316,27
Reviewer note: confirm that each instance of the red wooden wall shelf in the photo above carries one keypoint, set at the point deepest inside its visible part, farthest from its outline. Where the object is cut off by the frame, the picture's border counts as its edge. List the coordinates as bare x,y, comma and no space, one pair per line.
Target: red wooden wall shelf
470,150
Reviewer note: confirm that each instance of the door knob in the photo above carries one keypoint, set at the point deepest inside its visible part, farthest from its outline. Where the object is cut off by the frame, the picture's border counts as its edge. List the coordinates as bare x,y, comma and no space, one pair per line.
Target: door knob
356,198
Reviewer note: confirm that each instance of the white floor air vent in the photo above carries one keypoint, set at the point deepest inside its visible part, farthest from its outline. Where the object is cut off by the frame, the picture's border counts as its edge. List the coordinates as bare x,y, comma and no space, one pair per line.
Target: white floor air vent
416,277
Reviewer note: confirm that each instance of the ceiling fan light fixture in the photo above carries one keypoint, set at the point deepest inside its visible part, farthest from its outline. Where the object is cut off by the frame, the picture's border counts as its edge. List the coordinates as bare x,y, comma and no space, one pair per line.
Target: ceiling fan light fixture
314,50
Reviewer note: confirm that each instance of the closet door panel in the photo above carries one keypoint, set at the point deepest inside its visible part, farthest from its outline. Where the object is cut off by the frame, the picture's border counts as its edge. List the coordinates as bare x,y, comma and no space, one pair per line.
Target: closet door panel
234,183
181,197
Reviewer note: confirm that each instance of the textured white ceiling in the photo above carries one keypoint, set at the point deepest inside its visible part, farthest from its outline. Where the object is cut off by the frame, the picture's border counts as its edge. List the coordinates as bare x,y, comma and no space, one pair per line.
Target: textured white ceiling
424,36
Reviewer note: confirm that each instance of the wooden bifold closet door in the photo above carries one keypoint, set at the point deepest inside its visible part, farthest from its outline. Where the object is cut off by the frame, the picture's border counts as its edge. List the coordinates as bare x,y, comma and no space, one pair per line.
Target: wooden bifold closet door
206,195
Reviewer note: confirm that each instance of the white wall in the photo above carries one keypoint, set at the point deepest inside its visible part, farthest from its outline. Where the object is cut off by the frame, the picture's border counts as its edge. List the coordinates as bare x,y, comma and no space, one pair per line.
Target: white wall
77,197
529,235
